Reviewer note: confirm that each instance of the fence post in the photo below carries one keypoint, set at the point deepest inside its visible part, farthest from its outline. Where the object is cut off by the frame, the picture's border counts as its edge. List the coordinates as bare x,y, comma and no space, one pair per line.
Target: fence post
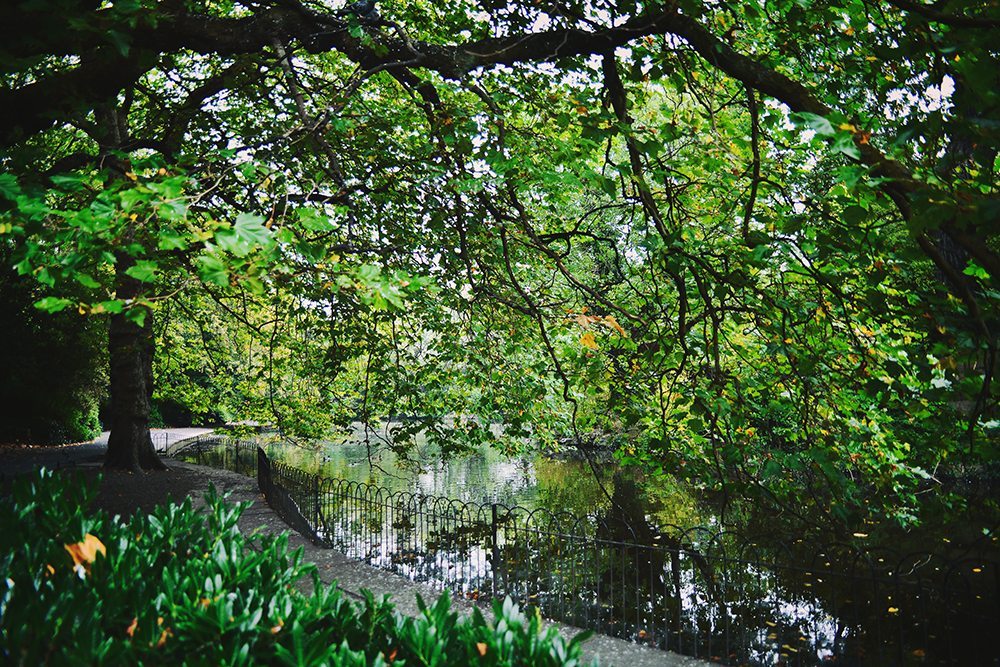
496,549
263,473
315,496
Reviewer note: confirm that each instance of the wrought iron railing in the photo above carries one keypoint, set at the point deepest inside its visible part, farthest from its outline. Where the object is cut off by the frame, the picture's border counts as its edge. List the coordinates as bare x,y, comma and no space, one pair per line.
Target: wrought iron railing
699,591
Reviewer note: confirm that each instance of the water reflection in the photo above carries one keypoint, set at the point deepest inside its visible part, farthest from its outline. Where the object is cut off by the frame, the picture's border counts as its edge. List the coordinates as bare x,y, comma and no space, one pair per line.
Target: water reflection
632,567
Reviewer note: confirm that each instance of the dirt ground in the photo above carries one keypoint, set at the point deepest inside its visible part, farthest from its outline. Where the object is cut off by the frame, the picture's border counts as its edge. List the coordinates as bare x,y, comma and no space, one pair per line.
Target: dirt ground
119,492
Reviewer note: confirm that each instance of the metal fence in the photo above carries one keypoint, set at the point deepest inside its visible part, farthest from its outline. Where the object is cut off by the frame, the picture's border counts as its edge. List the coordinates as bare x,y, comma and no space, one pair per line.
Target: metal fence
698,591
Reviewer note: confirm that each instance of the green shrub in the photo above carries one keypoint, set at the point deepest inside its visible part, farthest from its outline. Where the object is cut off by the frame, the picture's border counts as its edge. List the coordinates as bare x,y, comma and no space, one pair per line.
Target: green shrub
181,586
80,421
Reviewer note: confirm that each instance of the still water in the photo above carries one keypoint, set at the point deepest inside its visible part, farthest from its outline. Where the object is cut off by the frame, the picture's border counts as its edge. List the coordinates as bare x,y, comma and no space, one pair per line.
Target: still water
752,594
488,476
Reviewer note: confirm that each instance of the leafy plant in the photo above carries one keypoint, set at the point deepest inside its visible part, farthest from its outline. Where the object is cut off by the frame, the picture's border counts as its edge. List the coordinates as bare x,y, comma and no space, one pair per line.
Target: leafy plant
182,586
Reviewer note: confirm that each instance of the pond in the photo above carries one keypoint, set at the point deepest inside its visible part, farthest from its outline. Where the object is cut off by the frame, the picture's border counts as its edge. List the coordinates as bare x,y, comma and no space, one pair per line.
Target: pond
747,595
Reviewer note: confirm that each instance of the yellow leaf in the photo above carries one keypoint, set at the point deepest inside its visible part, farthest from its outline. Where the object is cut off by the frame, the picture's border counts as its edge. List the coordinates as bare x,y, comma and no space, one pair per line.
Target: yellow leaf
893,610
847,127
587,340
610,321
130,630
481,647
163,637
84,553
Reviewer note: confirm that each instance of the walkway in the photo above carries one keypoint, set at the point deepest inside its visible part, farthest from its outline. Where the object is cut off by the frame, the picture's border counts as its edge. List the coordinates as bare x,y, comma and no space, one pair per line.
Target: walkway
122,493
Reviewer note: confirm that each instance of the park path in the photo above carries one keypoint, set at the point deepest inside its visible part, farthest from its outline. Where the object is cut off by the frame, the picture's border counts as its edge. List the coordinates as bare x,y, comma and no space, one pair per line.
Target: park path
123,492
15,460
163,438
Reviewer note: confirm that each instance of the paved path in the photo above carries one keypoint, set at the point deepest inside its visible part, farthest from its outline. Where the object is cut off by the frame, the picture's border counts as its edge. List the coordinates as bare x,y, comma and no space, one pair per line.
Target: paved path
350,575
16,460
163,438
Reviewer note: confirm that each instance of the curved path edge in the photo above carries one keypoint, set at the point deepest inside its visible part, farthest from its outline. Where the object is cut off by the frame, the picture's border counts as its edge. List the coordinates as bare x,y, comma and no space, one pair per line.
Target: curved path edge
350,575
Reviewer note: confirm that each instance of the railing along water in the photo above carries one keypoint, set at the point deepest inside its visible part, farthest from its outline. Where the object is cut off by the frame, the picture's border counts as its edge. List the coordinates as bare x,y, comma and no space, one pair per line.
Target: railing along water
698,591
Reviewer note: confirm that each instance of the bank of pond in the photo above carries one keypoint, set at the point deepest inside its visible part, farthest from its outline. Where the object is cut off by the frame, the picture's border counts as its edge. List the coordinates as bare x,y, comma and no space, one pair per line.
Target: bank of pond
597,546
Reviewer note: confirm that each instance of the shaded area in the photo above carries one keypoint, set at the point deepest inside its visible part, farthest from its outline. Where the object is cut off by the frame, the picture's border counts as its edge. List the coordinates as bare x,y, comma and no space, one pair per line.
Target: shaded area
52,383
702,591
132,492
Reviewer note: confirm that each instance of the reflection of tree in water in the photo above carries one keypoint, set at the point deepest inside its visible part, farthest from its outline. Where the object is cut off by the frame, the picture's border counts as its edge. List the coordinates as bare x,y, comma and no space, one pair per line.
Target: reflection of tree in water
642,578
698,591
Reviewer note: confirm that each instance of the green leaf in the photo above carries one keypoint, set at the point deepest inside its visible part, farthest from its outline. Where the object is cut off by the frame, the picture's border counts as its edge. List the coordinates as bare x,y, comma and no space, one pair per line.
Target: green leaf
9,187
976,271
855,215
314,221
228,240
136,315
171,240
250,229
114,306
45,277
815,122
144,270
844,143
254,285
87,281
71,182
53,304
213,270
119,40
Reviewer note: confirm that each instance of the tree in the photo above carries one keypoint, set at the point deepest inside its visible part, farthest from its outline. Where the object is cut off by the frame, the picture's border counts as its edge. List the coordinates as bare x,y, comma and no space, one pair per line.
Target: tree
696,219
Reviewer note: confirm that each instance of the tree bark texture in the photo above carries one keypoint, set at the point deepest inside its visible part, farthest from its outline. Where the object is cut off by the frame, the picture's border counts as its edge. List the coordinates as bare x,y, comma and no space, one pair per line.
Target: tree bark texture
130,348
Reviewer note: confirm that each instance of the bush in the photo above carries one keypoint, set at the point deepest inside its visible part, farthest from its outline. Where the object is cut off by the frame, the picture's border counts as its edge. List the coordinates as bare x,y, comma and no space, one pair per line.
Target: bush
77,422
185,586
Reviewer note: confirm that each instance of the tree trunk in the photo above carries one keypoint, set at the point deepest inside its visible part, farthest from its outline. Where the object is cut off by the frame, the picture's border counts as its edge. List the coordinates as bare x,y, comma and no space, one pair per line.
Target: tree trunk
130,349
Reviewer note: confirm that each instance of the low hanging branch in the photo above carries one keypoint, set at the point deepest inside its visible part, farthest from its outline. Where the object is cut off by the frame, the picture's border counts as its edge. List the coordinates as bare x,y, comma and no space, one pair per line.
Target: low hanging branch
36,106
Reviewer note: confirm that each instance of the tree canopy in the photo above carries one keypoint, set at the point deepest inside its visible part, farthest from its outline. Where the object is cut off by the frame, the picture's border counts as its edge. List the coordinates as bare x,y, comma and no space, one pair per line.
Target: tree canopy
753,243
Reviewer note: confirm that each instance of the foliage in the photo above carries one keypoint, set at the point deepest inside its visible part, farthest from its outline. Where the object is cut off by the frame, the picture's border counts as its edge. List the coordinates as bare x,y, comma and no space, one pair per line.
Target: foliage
179,586
756,243
53,381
